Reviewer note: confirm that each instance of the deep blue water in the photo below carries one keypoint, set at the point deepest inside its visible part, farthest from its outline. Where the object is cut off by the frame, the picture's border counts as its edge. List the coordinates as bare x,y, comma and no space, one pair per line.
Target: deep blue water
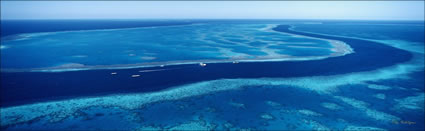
13,27
364,60
20,88
378,30
172,44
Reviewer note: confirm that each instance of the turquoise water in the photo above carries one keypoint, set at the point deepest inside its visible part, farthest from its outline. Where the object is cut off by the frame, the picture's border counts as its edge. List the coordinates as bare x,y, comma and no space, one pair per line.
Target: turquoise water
158,46
379,85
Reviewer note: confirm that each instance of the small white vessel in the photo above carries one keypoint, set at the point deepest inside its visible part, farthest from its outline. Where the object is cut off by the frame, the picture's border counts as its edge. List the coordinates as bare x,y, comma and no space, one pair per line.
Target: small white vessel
235,62
202,64
114,73
135,75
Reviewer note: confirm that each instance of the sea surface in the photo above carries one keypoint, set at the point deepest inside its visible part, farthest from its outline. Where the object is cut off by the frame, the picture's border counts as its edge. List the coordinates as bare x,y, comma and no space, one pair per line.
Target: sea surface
212,75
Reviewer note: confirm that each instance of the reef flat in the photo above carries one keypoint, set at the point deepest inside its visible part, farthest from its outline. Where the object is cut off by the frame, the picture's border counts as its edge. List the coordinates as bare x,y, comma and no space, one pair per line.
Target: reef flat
162,45
335,93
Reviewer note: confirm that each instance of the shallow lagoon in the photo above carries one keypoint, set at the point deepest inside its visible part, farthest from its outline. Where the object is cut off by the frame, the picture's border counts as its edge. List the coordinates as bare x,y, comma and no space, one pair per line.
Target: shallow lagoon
259,95
162,45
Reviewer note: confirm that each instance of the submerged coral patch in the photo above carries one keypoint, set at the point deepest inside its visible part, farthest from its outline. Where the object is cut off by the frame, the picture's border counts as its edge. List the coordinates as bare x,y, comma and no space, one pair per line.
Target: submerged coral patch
377,115
171,45
309,112
294,103
410,103
378,87
331,106
380,96
362,128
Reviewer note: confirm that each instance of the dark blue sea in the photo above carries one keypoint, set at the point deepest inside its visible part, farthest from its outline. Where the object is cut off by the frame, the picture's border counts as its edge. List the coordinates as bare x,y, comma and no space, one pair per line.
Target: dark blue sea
212,75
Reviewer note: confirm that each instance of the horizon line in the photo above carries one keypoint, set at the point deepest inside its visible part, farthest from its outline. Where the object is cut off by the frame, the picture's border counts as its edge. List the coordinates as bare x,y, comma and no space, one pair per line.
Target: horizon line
209,19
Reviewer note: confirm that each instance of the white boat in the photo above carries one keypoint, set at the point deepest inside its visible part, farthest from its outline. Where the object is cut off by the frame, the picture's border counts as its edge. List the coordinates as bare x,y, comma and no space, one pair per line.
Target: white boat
135,75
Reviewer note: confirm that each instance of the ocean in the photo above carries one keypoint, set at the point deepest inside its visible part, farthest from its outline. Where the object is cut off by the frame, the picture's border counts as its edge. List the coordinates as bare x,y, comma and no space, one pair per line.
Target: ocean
258,74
